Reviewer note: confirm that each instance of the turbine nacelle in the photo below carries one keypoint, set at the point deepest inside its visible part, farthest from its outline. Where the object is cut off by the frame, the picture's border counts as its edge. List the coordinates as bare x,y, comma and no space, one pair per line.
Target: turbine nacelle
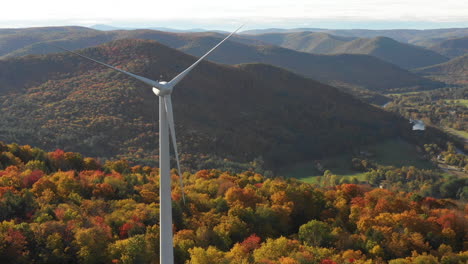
162,89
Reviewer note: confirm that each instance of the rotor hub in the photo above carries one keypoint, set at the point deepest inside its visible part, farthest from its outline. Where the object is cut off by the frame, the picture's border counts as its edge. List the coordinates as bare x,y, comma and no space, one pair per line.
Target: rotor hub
162,89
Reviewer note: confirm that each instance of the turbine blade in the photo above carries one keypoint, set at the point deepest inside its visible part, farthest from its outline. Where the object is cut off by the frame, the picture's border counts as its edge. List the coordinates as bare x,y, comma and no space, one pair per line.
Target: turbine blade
181,75
170,121
140,78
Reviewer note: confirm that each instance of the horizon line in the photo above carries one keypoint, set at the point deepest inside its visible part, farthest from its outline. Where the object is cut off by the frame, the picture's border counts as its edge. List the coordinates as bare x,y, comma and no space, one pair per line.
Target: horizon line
185,25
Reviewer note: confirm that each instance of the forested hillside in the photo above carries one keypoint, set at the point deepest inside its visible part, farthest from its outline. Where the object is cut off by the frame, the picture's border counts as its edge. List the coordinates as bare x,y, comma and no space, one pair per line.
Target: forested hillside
240,113
59,207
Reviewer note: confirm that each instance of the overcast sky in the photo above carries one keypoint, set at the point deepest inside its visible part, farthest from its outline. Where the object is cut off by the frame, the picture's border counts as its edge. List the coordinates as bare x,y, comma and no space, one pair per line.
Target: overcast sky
221,14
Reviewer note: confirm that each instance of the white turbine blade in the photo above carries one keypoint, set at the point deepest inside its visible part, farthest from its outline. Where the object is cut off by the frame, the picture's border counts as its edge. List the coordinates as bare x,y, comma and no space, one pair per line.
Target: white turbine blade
140,78
170,121
181,75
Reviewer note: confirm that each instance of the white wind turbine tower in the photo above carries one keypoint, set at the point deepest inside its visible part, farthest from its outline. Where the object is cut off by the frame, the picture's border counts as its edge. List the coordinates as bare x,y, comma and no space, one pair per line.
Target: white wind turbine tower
166,126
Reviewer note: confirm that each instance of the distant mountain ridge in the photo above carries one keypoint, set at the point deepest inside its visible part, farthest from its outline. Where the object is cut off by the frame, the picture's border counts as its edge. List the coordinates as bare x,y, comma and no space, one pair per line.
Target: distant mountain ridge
312,42
339,70
411,36
104,27
452,47
403,55
454,71
13,39
359,71
238,112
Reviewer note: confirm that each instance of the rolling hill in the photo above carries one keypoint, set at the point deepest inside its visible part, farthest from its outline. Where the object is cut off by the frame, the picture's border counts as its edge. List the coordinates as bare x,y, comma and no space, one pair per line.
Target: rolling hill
454,71
14,39
403,55
240,113
357,71
452,47
312,42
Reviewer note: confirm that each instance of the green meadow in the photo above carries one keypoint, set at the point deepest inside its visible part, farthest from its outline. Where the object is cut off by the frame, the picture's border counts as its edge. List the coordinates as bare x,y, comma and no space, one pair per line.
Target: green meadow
394,152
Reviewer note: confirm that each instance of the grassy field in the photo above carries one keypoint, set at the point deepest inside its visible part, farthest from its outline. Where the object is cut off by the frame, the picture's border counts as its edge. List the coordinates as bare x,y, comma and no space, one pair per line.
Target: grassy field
459,133
408,93
463,102
392,152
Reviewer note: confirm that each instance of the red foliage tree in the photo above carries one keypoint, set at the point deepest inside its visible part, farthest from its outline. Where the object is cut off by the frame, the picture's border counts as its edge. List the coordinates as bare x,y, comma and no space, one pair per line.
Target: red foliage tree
33,177
251,243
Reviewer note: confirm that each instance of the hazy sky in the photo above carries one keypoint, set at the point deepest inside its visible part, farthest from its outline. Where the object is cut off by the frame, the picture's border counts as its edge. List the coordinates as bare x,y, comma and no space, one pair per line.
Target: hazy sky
223,14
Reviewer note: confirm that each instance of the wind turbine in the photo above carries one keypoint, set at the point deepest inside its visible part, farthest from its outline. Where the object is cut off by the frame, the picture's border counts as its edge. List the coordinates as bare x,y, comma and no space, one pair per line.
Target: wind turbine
166,125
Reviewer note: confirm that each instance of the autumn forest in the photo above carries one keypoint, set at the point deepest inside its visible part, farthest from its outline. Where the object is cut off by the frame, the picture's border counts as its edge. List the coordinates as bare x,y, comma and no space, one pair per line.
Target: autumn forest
300,146
58,207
